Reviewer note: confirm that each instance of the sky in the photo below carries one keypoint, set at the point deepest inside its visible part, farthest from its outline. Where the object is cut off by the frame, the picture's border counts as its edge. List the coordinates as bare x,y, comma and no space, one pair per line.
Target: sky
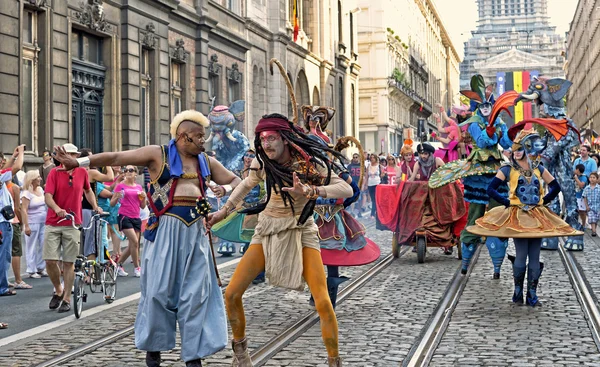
460,17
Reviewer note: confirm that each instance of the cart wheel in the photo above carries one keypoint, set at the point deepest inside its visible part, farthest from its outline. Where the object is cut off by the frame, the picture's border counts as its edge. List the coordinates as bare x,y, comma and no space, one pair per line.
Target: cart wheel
459,248
395,246
421,249
78,296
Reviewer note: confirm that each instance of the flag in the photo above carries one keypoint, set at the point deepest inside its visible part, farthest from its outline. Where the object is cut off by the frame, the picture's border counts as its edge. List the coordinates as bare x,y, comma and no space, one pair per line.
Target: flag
296,20
421,108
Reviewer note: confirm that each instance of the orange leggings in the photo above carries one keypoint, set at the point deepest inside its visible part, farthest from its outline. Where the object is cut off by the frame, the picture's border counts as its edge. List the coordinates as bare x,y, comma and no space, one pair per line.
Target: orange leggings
252,263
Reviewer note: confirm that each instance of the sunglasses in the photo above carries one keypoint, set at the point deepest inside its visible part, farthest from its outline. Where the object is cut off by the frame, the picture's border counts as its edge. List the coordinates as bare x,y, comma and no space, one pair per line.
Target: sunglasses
249,156
70,180
130,170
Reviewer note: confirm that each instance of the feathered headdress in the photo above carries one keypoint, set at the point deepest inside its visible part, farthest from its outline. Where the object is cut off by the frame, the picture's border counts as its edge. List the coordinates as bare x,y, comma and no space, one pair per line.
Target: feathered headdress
479,93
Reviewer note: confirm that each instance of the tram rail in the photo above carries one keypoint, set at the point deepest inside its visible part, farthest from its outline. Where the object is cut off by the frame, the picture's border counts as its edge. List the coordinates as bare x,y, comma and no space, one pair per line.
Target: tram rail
584,292
263,353
422,351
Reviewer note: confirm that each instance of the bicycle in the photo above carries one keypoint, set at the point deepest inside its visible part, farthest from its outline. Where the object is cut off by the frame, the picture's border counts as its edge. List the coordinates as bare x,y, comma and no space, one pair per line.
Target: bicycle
102,273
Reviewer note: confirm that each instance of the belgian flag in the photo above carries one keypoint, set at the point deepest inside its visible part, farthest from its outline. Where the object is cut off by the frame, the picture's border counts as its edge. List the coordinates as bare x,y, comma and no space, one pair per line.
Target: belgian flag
519,82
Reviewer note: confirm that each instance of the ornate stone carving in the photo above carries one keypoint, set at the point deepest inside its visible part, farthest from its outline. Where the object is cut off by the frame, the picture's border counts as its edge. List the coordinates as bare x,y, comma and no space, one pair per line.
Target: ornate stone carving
92,15
40,3
148,37
213,66
178,52
234,73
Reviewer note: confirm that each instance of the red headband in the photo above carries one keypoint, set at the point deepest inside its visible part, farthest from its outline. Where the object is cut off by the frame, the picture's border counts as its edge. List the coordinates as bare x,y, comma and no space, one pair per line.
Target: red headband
272,124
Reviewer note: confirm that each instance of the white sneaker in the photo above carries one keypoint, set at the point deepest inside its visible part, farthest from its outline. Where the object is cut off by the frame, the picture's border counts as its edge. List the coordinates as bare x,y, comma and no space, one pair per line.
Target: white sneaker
121,272
137,272
35,276
44,273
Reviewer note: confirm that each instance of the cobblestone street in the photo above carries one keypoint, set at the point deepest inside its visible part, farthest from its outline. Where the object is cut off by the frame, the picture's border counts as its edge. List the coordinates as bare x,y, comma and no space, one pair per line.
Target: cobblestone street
381,322
488,329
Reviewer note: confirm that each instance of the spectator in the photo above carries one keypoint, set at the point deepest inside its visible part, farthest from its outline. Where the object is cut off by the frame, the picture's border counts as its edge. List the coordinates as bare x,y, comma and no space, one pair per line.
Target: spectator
94,176
6,215
104,203
354,170
46,167
17,240
589,163
64,190
33,214
132,198
113,219
596,157
384,166
374,175
591,198
392,170
581,181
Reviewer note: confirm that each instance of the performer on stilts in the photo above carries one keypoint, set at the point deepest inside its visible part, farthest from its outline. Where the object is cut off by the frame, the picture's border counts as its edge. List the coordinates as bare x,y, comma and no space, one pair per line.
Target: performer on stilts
342,238
297,171
478,170
179,279
523,216
549,94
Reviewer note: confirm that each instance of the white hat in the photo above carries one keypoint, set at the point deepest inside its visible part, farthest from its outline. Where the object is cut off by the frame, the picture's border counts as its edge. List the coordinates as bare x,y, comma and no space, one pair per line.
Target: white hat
70,148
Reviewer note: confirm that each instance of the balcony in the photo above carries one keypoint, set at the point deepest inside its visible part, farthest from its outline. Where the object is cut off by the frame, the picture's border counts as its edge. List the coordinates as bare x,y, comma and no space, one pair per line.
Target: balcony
416,98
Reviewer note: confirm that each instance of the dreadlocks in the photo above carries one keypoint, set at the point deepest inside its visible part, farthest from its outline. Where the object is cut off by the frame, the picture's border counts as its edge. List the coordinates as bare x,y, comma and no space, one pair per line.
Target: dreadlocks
307,152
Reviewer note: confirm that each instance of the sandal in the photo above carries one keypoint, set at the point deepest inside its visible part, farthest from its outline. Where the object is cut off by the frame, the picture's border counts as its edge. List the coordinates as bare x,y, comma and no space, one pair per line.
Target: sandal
3,325
8,293
22,285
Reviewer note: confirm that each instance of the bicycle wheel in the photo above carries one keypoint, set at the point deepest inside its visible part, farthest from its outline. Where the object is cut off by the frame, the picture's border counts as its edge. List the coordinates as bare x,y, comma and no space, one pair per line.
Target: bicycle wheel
78,295
109,283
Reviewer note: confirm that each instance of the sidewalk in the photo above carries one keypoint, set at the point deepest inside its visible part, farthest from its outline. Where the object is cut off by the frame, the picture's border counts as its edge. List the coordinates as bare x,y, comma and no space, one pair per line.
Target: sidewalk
25,275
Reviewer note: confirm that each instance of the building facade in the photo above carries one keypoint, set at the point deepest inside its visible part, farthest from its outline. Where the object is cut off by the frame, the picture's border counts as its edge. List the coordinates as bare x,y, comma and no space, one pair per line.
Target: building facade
512,36
408,65
110,75
583,51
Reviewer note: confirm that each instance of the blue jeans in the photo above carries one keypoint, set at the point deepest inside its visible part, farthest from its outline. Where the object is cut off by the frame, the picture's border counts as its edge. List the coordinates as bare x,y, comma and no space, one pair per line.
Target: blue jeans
5,254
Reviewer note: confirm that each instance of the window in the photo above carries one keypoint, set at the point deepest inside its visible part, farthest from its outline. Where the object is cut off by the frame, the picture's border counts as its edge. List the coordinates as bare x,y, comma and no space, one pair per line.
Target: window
28,121
145,97
234,6
86,47
342,131
340,28
176,90
234,83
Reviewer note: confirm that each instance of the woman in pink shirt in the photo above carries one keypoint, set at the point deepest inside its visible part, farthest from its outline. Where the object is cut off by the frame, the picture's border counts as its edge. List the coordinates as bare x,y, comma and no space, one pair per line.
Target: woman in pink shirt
132,198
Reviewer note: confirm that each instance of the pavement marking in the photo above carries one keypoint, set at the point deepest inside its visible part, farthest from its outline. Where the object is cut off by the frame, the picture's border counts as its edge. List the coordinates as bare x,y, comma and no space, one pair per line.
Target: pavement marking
90,312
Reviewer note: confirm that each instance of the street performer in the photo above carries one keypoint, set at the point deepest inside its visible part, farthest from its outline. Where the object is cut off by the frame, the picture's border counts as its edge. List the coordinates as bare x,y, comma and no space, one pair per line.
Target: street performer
178,278
297,171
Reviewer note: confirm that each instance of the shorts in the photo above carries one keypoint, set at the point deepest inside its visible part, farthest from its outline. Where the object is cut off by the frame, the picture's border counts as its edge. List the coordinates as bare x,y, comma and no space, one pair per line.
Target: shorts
593,217
581,205
17,247
65,237
130,223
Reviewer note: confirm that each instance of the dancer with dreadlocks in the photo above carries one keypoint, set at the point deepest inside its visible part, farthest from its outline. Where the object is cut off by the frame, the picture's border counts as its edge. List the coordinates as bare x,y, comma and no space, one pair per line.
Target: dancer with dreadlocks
285,244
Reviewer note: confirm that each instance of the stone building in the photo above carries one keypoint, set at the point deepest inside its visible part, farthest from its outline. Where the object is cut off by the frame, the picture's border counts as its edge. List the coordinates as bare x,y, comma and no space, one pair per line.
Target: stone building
583,63
110,74
408,64
513,35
